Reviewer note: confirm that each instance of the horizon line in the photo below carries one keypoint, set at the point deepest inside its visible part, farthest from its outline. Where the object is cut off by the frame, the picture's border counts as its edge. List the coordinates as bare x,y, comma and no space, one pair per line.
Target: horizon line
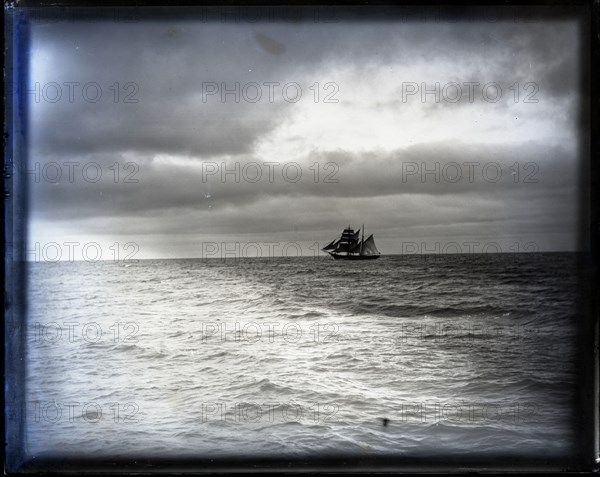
134,260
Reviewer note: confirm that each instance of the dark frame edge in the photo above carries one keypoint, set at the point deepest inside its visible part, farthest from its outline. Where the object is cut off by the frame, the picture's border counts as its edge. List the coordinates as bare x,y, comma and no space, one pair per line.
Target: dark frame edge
15,233
16,458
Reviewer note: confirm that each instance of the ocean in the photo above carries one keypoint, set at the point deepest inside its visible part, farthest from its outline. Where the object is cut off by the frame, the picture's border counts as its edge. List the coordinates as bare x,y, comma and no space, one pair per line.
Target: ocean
407,355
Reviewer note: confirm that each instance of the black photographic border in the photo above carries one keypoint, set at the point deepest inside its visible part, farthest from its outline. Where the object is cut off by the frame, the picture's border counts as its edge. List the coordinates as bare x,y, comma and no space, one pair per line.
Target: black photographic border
584,458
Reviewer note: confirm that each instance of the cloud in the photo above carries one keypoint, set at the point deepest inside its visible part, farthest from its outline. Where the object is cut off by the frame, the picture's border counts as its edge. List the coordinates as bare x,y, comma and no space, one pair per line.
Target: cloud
527,189
369,154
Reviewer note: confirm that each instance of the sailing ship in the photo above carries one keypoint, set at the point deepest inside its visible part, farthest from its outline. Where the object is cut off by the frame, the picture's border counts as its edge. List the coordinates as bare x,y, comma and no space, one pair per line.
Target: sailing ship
351,246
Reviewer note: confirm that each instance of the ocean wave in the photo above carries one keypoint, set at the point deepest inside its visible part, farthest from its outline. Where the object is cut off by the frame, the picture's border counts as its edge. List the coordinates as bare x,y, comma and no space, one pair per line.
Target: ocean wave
365,374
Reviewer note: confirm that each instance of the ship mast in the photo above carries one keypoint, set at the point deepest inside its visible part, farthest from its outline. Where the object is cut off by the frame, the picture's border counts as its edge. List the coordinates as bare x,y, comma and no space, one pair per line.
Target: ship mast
362,242
348,249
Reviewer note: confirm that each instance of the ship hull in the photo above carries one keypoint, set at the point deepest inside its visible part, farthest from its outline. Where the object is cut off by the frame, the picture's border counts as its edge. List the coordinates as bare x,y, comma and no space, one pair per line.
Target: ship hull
353,257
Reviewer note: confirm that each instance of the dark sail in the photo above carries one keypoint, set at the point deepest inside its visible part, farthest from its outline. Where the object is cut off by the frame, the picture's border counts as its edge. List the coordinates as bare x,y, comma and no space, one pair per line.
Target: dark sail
331,246
344,246
356,248
348,241
349,235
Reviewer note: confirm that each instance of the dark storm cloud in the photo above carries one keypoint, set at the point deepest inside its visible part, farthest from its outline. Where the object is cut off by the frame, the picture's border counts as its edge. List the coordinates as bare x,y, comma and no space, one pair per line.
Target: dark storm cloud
176,134
162,70
534,64
530,171
168,64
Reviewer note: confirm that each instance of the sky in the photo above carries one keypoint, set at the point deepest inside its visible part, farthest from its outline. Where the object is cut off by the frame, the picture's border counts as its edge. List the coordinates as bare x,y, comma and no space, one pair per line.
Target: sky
177,138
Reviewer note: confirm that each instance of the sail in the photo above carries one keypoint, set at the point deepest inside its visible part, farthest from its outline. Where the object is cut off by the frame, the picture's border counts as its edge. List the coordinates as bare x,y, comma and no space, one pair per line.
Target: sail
348,235
343,247
355,244
348,241
369,247
356,247
331,246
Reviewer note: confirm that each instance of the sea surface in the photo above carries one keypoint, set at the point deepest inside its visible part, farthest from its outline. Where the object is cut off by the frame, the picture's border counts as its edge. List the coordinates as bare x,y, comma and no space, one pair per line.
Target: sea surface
461,354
